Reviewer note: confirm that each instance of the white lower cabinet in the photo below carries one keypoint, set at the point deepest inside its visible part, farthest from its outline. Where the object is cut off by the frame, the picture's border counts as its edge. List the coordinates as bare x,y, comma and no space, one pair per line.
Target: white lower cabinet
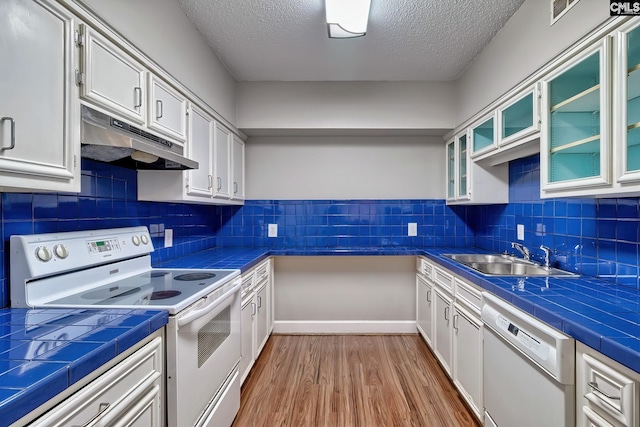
448,318
442,304
129,394
467,356
607,393
424,309
256,316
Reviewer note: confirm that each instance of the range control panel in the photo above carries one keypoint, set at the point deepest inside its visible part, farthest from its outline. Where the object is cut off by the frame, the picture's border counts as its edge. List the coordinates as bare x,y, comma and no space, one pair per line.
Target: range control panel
39,255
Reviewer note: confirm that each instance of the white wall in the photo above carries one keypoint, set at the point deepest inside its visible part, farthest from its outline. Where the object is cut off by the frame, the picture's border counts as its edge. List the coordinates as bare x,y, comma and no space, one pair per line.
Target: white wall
162,31
355,288
522,46
345,168
345,105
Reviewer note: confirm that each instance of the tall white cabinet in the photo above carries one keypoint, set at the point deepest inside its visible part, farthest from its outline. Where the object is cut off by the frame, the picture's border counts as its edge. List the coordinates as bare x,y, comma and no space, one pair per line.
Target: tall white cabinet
39,110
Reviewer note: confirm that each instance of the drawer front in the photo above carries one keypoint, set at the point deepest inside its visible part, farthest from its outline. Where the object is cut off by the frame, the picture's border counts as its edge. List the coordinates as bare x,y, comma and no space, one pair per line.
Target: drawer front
263,271
424,267
248,280
591,419
444,279
468,295
99,399
608,390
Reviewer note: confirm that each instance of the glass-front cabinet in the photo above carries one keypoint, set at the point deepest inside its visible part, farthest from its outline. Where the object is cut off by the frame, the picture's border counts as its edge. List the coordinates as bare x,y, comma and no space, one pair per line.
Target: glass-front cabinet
519,119
483,136
627,117
458,168
575,142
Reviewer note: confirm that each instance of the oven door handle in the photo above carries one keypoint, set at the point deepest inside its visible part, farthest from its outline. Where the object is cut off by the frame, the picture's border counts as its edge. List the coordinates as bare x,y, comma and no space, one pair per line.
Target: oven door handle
203,311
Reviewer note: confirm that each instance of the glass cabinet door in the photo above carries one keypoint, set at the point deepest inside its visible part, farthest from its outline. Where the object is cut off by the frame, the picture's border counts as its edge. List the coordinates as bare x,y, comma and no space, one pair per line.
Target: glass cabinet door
629,119
451,170
483,136
575,150
519,119
462,166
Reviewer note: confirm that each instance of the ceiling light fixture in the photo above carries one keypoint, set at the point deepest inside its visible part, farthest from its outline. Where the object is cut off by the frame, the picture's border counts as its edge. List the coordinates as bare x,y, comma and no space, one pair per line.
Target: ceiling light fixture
347,18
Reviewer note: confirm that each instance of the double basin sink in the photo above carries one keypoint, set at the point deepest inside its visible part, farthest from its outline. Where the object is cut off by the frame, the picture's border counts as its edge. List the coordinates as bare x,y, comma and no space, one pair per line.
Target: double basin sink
507,265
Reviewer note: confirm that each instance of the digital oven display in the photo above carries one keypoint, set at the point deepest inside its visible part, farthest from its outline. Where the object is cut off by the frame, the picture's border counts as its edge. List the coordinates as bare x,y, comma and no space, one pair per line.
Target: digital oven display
103,246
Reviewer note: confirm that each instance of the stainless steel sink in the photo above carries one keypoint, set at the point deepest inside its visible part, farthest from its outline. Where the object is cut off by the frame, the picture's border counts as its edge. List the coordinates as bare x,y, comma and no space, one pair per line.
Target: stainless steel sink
506,265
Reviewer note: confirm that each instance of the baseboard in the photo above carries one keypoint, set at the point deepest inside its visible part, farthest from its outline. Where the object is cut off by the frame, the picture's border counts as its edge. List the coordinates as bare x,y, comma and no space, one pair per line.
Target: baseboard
345,327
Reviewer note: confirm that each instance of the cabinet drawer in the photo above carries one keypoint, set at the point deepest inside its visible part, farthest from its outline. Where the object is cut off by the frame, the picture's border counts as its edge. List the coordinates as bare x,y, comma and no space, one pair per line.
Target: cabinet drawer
591,419
610,389
444,279
263,271
468,295
424,267
248,281
105,397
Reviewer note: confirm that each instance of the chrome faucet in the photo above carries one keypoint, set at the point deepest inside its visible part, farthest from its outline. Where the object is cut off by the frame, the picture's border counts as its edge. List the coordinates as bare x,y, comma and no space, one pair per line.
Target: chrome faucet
522,249
547,255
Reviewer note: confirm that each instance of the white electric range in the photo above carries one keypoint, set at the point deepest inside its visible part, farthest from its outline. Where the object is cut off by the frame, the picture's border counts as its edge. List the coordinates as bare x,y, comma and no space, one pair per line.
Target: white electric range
111,268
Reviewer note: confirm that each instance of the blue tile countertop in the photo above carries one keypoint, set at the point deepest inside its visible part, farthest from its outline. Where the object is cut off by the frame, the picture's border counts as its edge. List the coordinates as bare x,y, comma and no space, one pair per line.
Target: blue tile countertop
44,351
602,315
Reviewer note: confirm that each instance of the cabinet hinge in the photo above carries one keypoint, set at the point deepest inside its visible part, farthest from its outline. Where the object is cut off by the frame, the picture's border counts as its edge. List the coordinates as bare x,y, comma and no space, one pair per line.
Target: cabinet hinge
75,161
79,38
79,77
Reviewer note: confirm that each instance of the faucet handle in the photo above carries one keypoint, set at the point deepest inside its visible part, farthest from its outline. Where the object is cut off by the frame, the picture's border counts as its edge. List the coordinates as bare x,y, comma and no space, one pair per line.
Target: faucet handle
547,255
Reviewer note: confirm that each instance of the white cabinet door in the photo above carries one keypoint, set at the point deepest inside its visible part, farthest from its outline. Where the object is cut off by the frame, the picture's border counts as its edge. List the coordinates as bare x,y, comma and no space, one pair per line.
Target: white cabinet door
168,109
222,153
39,112
113,80
442,328
262,323
247,330
200,149
467,356
237,168
424,308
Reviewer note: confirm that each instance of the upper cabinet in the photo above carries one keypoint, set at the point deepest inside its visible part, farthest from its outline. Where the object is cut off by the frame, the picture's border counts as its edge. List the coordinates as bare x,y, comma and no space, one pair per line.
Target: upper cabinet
167,109
111,78
483,136
519,119
219,178
237,168
39,110
469,182
575,149
627,103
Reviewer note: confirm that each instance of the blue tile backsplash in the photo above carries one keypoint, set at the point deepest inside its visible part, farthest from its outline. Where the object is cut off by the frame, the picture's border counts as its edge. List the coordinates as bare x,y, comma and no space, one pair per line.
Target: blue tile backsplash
595,237
344,223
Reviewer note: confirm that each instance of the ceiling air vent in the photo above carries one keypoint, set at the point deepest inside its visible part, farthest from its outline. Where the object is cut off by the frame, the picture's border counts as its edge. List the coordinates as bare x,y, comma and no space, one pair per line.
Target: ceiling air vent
559,8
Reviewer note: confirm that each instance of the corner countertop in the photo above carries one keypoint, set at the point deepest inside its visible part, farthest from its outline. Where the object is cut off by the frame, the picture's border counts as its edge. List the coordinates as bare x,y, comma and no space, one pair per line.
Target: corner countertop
603,315
44,351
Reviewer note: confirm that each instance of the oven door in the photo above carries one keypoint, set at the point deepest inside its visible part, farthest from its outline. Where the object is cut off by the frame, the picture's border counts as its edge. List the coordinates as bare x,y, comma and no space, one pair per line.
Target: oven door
203,348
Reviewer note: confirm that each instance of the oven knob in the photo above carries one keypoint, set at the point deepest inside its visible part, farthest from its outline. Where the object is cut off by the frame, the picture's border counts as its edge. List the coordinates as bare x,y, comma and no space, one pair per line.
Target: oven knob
61,251
144,239
43,254
136,240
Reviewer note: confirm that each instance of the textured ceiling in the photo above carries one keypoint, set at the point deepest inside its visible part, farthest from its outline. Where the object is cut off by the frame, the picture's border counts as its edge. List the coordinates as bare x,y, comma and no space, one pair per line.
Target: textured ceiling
286,40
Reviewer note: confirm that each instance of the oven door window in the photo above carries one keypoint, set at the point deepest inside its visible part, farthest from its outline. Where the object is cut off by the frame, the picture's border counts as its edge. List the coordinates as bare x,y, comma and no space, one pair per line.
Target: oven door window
213,334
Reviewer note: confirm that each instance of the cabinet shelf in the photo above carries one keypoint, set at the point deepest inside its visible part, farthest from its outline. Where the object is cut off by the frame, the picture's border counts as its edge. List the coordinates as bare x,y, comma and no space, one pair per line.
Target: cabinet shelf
586,101
586,145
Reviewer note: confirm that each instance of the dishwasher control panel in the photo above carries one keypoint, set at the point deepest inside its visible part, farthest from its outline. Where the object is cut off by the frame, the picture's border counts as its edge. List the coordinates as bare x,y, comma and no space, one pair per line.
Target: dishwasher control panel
524,337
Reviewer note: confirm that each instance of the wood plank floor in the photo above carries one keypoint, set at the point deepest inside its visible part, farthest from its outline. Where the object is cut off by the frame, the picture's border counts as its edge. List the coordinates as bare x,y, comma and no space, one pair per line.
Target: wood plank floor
349,381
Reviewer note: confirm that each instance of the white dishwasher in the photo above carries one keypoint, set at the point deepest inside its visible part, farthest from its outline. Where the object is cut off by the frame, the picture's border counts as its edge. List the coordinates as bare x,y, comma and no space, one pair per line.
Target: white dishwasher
528,367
